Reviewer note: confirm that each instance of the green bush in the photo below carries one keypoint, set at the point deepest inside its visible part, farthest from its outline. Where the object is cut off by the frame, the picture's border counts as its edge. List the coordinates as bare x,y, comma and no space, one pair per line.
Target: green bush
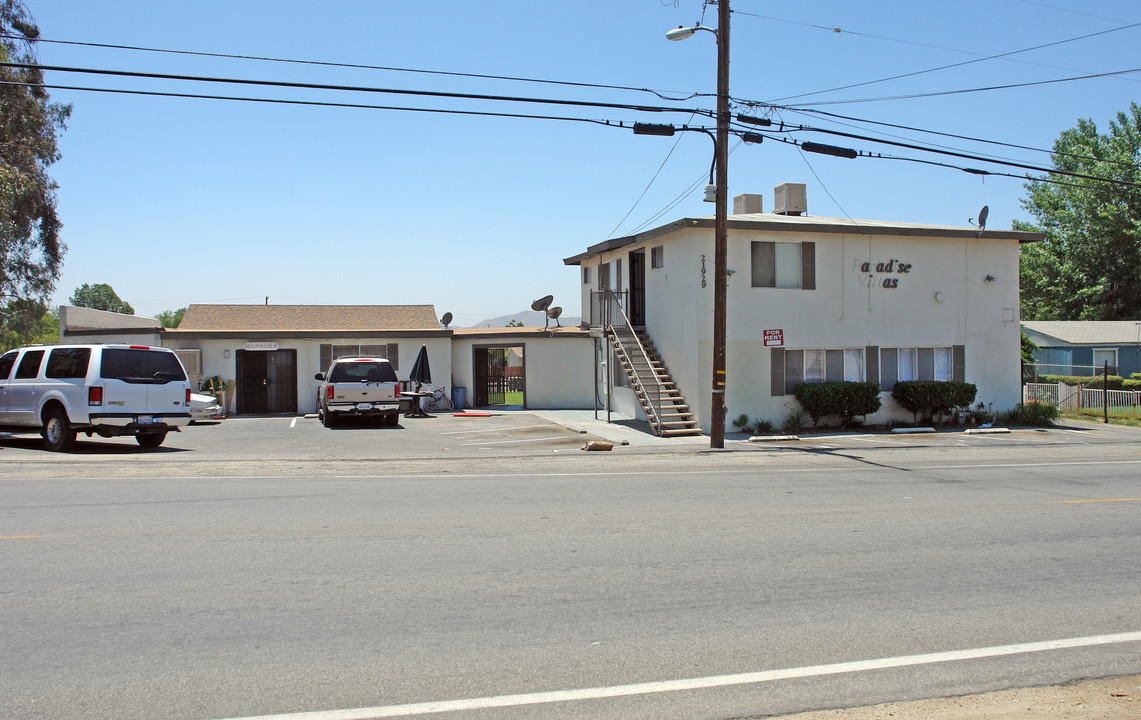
845,400
933,399
1113,382
1132,384
1033,414
755,427
1135,376
794,422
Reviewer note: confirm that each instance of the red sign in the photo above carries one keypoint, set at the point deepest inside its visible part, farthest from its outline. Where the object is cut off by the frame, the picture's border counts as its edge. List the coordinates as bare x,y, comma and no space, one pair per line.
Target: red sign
774,338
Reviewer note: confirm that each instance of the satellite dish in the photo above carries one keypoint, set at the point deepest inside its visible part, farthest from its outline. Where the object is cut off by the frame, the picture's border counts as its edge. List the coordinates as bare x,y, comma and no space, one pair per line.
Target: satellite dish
543,303
446,320
981,222
553,313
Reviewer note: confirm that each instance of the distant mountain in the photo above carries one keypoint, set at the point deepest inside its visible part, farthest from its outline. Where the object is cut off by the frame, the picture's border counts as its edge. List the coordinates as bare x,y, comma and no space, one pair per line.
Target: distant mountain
529,318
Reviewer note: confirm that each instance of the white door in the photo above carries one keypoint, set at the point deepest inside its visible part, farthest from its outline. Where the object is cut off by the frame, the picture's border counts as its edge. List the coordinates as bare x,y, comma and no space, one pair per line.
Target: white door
7,363
21,399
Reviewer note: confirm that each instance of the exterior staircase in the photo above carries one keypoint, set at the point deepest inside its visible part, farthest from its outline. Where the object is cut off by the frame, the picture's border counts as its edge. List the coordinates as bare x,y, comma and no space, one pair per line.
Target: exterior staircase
662,402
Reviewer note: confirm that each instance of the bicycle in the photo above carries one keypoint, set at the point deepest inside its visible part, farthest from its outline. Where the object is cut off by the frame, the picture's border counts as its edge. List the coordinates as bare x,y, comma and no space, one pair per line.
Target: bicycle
438,401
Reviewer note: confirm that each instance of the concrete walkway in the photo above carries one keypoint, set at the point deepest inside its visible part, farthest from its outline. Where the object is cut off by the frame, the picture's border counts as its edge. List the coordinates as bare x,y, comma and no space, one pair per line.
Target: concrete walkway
622,430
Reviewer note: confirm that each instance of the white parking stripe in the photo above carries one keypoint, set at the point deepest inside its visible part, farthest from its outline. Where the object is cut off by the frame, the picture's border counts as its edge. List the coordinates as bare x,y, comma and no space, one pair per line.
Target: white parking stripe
294,423
668,686
502,442
491,430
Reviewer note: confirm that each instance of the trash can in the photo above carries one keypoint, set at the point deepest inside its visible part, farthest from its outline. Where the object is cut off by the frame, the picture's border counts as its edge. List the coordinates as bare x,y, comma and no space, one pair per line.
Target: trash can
459,397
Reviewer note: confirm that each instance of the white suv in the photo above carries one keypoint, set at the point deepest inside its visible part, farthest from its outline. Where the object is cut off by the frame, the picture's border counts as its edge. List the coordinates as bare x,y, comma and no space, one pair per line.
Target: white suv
109,390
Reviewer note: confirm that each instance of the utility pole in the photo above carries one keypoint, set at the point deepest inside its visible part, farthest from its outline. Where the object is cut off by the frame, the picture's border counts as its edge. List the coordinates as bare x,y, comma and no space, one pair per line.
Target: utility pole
720,232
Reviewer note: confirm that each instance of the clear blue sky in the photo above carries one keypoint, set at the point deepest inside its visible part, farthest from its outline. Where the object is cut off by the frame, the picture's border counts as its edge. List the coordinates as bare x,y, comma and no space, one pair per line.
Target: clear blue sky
176,201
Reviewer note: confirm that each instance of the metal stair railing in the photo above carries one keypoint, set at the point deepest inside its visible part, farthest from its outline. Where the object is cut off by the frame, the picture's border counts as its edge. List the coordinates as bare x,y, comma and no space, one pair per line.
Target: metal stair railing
631,345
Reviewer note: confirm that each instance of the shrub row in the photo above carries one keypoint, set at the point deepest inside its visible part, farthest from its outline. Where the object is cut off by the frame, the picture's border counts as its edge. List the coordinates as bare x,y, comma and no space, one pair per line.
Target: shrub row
845,400
1113,382
933,399
1032,414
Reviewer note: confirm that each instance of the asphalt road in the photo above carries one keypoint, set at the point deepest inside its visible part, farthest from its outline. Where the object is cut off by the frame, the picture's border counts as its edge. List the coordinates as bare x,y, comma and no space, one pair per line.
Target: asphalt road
271,567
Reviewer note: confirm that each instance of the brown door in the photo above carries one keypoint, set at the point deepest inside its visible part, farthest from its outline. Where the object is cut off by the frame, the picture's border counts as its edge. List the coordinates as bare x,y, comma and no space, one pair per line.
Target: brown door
267,382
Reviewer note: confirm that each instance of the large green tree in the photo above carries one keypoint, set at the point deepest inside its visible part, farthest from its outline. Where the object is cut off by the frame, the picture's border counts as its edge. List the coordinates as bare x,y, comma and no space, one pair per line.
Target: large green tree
100,297
1089,265
31,251
24,322
171,318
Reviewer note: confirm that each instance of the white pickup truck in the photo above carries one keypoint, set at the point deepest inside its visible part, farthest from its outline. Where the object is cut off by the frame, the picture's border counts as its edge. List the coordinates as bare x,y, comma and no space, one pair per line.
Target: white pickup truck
358,387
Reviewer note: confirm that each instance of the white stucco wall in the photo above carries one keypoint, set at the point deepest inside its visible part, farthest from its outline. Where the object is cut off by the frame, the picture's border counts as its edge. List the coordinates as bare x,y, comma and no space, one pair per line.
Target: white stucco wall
216,362
844,311
559,371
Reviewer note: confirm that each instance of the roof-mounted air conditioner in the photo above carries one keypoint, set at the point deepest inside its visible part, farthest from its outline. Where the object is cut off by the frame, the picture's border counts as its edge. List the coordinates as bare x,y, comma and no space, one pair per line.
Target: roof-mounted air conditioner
790,199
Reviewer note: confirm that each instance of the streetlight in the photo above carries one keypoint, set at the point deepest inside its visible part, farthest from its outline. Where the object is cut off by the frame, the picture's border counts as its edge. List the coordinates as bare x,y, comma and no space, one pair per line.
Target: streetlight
720,225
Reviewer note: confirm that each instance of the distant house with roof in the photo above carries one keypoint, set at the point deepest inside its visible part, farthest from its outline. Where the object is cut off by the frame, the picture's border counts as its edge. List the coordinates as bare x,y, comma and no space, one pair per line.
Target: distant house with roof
1082,348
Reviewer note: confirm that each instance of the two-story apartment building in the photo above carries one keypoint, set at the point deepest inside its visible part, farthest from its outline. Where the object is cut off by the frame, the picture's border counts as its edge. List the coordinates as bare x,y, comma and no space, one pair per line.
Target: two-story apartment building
813,298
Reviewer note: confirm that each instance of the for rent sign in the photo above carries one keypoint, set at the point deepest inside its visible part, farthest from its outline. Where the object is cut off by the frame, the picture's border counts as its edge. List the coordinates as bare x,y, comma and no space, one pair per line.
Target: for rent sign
774,338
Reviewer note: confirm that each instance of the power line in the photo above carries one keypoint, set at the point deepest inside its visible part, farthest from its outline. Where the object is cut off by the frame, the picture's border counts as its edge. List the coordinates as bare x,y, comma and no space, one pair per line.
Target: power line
961,64
966,156
317,103
355,66
838,30
1075,12
352,88
962,137
972,171
649,184
845,152
967,90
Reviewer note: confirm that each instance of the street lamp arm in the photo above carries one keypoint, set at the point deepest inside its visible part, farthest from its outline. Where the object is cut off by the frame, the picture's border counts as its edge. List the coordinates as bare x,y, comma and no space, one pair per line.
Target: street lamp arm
681,33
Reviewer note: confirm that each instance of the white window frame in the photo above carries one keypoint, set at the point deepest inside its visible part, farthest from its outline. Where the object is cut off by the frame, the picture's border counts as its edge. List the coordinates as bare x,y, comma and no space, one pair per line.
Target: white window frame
814,366
1099,364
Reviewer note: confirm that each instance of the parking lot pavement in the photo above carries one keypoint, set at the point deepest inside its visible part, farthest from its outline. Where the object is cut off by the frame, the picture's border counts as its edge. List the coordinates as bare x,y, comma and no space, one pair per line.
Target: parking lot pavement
303,439
446,443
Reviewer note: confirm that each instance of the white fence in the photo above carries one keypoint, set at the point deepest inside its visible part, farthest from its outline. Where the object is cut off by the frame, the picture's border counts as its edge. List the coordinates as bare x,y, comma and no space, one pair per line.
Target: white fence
1068,397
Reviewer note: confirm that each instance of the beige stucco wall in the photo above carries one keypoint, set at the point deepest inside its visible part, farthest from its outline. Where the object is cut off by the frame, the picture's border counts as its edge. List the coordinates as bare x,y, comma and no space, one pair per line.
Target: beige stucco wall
844,311
219,357
559,371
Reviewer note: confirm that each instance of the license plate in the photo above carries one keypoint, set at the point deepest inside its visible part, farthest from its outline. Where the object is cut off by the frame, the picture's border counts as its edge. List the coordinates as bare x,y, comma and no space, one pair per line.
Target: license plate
364,406
145,420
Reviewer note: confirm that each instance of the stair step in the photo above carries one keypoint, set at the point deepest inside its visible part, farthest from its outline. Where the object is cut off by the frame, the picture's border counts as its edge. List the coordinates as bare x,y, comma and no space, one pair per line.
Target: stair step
680,433
650,379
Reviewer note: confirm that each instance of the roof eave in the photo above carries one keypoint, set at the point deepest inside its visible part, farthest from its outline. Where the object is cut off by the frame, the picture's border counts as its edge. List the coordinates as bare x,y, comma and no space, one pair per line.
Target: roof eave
788,227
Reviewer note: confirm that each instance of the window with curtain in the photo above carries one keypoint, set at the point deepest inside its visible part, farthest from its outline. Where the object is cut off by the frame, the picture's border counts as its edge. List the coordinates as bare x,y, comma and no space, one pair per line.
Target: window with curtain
907,363
854,365
814,365
943,366
783,264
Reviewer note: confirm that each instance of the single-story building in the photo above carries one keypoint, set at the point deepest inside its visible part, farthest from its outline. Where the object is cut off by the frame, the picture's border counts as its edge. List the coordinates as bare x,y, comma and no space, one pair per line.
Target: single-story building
268,354
809,299
1084,348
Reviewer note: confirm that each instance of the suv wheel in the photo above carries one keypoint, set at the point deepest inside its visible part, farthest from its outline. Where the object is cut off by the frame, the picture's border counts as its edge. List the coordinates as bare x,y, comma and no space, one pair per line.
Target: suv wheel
150,440
57,432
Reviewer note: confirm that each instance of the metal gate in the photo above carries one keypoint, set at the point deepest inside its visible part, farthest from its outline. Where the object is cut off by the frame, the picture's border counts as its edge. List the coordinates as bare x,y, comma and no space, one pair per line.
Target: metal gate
497,381
267,382
497,376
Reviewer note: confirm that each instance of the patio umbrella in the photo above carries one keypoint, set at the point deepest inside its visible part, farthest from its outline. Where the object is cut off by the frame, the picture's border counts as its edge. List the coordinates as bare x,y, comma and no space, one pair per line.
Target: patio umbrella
420,372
